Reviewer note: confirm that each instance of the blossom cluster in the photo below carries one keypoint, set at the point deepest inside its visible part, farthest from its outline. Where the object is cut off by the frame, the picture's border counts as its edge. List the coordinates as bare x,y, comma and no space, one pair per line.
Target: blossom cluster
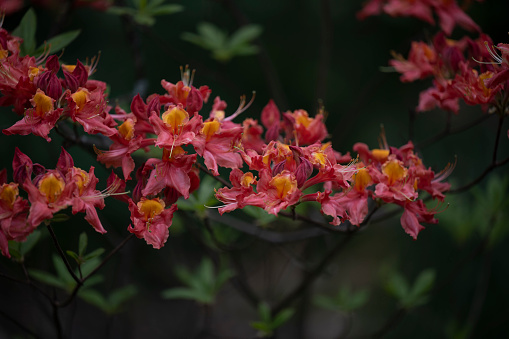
449,12
467,69
275,165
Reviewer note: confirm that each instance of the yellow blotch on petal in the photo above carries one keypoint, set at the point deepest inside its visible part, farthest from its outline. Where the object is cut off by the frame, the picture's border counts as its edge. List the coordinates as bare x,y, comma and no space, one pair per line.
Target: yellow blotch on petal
81,178
175,117
247,179
150,208
9,193
485,76
3,53
210,128
380,154
169,155
319,158
127,129
219,115
284,184
394,170
32,72
362,179
80,98
51,185
302,118
42,103
69,68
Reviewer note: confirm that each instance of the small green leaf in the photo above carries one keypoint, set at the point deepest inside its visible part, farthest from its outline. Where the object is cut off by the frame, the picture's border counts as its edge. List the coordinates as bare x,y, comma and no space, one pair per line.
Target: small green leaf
93,254
282,317
121,10
59,42
60,217
74,256
244,35
26,31
121,295
264,312
47,278
397,286
82,243
30,242
95,298
166,10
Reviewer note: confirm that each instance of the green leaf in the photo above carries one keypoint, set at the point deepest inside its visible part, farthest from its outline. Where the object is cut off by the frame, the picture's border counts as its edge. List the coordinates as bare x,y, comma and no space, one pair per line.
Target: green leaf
62,272
397,286
121,295
30,242
187,293
60,217
121,11
59,42
47,278
166,10
282,317
90,264
82,243
212,35
93,254
93,280
95,298
74,256
26,31
264,312
244,35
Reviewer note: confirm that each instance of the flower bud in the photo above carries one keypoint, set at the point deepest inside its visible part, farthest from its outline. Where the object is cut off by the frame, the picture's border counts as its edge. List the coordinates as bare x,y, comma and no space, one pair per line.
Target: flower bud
71,82
52,64
278,168
154,105
194,101
272,133
139,108
80,73
303,171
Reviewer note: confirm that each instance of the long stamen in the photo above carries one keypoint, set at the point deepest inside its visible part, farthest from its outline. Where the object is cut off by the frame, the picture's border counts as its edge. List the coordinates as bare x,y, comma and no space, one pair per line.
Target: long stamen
242,106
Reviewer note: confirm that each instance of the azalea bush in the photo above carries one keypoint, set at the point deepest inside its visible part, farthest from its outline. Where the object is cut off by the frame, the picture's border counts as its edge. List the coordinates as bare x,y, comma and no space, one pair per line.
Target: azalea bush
263,201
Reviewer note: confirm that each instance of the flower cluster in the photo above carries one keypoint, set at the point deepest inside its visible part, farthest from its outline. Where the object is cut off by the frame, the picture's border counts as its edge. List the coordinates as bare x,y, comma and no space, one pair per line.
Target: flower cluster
285,165
448,12
49,191
467,69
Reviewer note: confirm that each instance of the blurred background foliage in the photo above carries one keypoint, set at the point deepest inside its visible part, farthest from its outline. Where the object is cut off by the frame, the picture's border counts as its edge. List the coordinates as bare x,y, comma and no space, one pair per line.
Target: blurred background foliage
450,283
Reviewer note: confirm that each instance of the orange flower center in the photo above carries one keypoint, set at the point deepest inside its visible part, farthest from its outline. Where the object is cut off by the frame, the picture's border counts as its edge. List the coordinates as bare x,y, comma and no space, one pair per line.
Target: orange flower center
175,117
51,185
394,170
380,154
9,193
302,118
42,103
127,129
80,98
247,179
210,128
171,154
150,208
284,184
362,179
82,179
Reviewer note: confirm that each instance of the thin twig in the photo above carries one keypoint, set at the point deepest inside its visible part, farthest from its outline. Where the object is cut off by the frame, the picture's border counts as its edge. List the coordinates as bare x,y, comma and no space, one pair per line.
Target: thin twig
218,178
62,255
474,182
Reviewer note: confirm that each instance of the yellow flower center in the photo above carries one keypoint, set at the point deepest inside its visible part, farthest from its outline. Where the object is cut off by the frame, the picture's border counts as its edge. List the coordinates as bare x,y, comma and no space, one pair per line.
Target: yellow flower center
380,154
150,208
394,170
362,179
210,128
80,98
9,193
127,129
247,179
69,68
51,185
171,154
175,117
302,118
284,184
42,103
82,179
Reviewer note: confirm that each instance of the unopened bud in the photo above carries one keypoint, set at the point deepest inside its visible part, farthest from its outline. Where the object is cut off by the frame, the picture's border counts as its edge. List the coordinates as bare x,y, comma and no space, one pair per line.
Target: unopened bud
278,168
194,101
303,171
52,64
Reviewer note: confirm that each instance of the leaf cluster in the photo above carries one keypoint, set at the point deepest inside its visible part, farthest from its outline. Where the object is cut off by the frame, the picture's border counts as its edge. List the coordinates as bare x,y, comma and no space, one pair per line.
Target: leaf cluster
222,46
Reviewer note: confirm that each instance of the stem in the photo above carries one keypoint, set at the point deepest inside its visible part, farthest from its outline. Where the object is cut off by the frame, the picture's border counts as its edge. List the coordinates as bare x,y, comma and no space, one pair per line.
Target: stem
218,178
310,278
20,325
62,255
449,131
490,168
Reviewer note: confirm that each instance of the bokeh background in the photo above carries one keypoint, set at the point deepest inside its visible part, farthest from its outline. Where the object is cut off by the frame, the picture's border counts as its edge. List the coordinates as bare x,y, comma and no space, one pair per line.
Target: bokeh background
310,53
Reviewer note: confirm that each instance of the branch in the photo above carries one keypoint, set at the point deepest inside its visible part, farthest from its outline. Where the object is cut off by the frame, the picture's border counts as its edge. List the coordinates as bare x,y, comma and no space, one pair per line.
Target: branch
79,282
